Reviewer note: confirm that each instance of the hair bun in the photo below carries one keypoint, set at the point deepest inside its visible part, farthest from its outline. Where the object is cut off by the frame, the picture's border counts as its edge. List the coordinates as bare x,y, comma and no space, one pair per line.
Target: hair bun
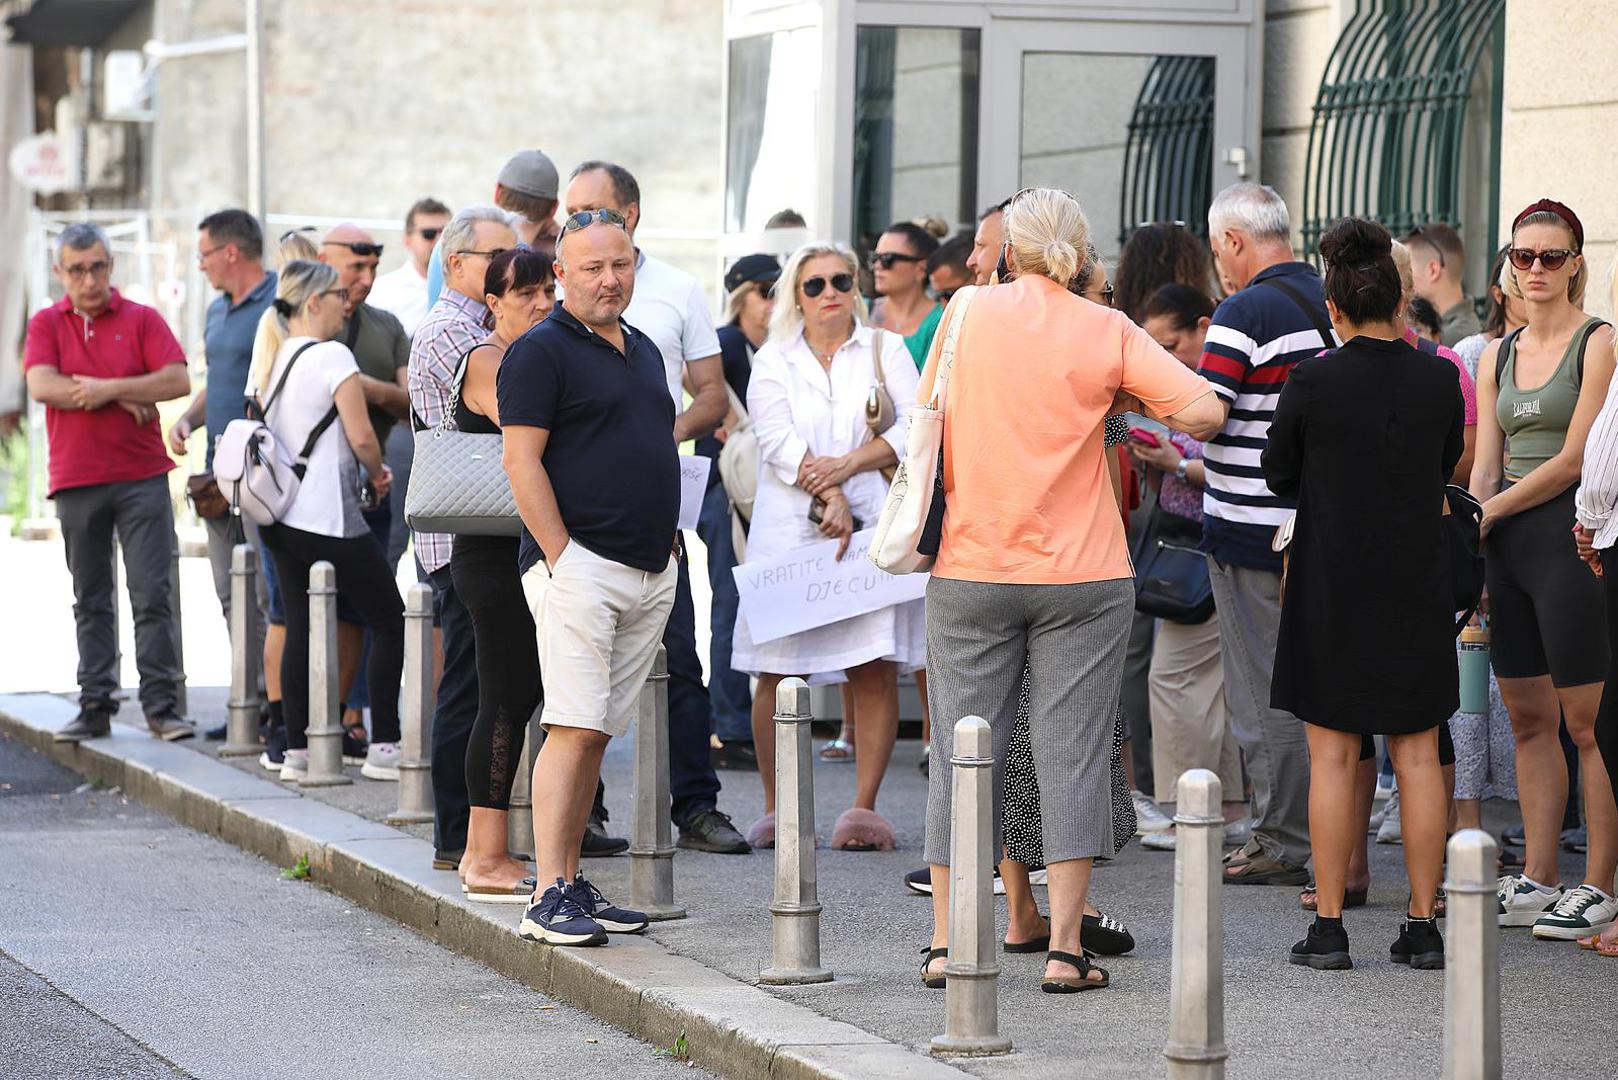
1356,242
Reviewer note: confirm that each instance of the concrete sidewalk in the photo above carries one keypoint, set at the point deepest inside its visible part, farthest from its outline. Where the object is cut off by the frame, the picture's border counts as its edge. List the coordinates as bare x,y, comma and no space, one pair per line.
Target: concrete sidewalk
1282,1021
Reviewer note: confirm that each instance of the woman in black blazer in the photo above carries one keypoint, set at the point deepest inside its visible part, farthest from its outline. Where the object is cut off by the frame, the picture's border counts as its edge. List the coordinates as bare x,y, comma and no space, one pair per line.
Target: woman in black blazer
1365,437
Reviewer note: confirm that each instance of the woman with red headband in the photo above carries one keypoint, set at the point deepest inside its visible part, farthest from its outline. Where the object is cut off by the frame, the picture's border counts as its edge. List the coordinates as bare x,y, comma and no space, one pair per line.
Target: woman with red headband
1541,387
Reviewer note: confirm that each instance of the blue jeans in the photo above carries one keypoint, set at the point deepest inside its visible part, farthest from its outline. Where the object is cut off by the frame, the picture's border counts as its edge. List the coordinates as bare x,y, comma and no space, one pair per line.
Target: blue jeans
729,690
454,715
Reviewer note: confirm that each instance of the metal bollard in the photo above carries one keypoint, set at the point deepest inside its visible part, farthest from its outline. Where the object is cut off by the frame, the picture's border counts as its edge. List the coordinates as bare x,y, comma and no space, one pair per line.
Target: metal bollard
971,994
325,729
795,914
1472,960
651,846
520,816
416,713
1196,1048
241,732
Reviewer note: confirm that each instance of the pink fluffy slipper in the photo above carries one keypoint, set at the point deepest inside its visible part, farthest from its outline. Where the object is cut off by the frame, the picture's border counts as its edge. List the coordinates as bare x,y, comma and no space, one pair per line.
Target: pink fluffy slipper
862,830
762,832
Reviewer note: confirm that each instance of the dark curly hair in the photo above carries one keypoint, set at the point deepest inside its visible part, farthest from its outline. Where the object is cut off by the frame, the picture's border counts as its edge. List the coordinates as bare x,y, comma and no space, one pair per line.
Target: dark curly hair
1157,255
1361,277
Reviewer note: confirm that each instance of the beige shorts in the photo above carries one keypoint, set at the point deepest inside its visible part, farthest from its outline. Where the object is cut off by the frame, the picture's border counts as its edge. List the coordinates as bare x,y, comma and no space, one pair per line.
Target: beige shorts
599,624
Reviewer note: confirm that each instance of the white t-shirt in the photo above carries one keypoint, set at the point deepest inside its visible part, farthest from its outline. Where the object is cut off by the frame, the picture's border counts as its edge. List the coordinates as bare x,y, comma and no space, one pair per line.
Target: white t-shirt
669,307
328,501
402,293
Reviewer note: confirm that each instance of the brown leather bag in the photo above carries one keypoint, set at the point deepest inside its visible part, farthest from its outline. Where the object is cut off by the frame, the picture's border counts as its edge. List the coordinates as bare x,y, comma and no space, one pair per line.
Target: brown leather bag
206,498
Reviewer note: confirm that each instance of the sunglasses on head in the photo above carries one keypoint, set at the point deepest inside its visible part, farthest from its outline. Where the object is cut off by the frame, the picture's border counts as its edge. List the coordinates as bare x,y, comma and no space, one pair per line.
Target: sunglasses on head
813,287
430,234
363,250
887,259
1420,233
583,219
1523,258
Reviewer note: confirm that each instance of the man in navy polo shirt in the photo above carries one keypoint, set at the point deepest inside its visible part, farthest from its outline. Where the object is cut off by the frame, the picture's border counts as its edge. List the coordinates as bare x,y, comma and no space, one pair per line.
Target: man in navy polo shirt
586,417
100,364
1274,317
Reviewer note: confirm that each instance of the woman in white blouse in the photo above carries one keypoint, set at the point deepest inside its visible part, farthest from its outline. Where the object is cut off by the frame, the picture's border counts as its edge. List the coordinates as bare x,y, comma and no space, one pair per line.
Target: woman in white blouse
819,459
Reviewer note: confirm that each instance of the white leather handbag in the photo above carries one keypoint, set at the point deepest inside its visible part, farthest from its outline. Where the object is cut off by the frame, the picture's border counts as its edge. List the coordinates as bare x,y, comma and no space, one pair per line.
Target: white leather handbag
907,535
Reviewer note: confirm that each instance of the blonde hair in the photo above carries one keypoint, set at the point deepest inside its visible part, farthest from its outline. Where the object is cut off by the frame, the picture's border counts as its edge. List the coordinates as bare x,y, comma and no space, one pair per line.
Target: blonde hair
1575,285
299,280
295,246
1048,234
1407,271
738,299
787,320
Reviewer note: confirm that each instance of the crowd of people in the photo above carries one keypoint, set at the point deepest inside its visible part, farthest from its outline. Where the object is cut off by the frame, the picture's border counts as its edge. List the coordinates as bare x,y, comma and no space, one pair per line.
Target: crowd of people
1200,511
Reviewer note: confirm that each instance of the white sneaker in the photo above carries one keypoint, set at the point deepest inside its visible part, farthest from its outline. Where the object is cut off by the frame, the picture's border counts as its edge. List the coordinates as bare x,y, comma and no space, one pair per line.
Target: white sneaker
1390,831
1522,902
1148,817
295,766
1158,841
1583,911
381,762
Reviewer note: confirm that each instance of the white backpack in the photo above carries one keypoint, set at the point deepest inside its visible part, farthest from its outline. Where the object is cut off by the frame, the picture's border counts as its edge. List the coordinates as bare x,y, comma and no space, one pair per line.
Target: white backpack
254,470
739,460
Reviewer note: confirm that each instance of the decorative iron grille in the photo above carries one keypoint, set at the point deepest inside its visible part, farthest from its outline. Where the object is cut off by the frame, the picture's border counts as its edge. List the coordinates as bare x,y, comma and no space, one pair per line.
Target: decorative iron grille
1168,159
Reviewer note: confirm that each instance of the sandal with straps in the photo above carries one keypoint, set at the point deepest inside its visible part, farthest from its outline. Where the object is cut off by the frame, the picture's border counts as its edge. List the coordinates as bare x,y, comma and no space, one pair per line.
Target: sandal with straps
932,982
1074,984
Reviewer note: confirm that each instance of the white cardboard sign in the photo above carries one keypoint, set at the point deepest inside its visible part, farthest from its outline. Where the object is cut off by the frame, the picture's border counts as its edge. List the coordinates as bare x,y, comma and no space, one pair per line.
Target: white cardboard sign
693,486
809,587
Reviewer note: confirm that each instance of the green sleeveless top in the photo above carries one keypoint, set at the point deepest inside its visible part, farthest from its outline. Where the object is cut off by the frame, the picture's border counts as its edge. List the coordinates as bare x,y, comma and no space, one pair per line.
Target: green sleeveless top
1536,421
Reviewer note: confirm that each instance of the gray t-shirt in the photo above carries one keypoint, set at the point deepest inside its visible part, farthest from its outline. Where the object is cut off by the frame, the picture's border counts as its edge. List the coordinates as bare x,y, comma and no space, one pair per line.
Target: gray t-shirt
382,349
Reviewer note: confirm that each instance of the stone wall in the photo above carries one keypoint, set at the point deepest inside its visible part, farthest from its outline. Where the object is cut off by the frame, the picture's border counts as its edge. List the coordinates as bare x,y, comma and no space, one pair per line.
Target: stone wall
1298,39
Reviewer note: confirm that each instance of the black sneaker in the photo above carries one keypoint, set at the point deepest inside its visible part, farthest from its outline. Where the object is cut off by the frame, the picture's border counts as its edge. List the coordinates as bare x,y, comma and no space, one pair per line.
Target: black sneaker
1324,948
613,919
215,734
921,881
1105,936
713,831
736,756
93,722
170,728
356,748
597,844
1420,945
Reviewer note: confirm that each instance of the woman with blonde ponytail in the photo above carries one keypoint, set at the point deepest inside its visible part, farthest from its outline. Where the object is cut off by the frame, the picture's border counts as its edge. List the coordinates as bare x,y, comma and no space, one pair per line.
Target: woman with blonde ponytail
1032,565
307,387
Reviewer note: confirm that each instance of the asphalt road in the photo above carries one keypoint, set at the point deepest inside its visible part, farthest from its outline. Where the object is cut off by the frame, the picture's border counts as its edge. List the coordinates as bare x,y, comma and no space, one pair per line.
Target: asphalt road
133,947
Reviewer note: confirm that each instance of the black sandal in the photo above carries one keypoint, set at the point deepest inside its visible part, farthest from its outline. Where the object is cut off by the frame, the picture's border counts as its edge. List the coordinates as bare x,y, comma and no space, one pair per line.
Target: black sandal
1069,984
932,982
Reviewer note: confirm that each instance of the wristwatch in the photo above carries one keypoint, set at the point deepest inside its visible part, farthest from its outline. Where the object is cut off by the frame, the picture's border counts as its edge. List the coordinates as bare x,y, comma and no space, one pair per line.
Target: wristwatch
1179,470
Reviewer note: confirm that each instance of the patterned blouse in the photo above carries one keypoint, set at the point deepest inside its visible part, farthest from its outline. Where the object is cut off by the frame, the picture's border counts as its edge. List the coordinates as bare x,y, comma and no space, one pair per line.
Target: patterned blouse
1178,496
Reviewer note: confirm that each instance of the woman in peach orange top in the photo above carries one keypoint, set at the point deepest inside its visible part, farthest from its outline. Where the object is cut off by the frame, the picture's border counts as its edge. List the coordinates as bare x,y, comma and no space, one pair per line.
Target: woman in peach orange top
1033,565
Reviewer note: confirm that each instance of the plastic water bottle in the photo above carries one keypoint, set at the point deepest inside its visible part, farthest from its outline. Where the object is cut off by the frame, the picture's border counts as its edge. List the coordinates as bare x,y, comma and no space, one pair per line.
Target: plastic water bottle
1475,670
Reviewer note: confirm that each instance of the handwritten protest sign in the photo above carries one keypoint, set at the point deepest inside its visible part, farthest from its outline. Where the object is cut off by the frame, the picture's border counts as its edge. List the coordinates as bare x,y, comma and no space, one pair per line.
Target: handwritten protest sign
693,486
809,587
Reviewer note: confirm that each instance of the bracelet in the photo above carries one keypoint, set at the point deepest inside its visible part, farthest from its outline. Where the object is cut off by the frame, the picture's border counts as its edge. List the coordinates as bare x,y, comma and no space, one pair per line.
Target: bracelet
1179,470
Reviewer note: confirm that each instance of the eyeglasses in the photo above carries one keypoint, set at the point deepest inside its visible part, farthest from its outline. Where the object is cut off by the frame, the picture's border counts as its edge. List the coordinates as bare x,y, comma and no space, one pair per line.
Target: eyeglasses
203,254
1523,258
492,253
583,219
887,259
94,270
430,234
1105,292
340,293
363,250
813,287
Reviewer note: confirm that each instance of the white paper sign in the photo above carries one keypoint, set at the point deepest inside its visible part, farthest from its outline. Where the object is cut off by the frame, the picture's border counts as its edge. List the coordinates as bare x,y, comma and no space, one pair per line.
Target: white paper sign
693,486
809,587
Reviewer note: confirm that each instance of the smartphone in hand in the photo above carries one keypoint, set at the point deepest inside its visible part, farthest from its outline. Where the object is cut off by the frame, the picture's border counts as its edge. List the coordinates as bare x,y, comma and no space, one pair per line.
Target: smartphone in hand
1144,437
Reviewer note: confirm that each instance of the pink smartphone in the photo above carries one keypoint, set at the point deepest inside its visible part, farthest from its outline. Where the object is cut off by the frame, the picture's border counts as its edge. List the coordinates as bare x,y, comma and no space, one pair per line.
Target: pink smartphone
1141,435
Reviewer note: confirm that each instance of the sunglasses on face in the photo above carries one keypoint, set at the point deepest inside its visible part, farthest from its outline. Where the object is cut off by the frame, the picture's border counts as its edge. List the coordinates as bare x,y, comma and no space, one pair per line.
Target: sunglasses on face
1105,293
888,259
1523,258
430,234
813,287
364,251
583,219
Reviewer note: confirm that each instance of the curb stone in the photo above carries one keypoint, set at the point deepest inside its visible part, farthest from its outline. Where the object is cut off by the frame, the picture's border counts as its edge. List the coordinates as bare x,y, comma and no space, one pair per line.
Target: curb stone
732,1028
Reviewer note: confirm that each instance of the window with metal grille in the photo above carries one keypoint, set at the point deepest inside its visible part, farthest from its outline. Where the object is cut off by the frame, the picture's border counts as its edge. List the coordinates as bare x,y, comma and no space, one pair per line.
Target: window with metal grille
1168,159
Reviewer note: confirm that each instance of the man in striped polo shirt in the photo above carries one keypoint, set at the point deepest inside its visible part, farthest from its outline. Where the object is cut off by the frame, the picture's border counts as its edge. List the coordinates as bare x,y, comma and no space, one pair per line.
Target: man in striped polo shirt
1274,317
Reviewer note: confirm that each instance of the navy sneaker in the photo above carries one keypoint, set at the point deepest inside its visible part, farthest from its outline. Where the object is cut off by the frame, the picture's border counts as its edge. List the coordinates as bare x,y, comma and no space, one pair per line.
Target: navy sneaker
614,920
559,919
275,748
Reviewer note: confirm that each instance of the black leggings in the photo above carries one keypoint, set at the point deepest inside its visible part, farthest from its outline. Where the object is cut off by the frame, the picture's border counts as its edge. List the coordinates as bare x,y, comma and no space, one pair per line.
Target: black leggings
366,583
1607,718
485,572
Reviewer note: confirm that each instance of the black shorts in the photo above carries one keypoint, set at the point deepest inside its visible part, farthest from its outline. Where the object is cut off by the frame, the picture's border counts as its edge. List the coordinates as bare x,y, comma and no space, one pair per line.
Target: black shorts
1545,608
1446,746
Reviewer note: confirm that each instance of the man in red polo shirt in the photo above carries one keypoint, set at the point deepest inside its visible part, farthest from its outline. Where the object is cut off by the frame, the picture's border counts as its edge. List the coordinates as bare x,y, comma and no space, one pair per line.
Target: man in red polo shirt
100,364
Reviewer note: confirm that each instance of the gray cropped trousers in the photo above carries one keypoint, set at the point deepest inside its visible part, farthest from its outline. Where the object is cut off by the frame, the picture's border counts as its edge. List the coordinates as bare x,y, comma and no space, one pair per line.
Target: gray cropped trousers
1073,638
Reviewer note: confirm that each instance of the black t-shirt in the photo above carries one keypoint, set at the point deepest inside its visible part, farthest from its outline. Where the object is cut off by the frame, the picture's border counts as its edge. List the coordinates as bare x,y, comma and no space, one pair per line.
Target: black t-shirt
736,355
610,456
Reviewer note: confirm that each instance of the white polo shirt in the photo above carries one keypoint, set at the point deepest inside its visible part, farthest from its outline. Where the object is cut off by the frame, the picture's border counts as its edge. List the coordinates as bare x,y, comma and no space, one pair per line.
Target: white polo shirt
669,307
402,293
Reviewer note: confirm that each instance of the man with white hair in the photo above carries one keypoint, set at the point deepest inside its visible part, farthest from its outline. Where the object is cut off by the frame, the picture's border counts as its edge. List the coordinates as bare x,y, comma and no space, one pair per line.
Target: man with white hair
100,363
1274,317
453,325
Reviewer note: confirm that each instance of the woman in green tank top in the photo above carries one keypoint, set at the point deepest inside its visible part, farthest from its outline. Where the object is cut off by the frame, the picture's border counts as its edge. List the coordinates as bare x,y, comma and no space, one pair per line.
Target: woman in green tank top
1539,390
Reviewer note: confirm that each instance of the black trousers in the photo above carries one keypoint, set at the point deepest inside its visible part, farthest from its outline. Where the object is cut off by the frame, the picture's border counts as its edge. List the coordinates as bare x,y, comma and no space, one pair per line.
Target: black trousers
455,713
484,570
1607,717
364,581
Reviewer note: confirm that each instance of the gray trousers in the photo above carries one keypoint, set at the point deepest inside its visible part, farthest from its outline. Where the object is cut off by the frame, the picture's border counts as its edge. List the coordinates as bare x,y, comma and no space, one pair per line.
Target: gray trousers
140,514
1073,639
1273,741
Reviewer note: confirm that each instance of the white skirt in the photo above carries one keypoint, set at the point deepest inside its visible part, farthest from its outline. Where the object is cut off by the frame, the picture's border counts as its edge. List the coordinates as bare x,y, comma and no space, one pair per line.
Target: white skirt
897,633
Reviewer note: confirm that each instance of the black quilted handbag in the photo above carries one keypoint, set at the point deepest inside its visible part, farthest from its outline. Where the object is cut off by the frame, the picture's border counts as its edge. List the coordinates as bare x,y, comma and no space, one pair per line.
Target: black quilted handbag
1171,572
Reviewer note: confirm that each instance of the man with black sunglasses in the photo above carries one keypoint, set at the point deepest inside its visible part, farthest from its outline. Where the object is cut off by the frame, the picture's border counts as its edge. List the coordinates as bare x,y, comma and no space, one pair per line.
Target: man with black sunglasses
1438,260
403,292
